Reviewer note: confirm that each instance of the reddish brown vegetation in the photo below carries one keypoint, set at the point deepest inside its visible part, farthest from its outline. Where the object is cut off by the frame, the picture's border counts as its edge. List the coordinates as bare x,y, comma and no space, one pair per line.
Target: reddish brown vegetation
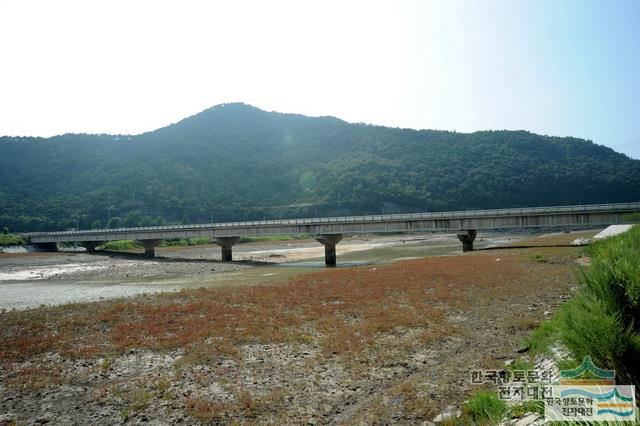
342,310
356,321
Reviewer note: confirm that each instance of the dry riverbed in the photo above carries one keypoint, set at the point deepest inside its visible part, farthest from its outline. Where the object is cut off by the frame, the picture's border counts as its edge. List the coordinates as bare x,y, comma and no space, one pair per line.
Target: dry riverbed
204,259
385,343
29,280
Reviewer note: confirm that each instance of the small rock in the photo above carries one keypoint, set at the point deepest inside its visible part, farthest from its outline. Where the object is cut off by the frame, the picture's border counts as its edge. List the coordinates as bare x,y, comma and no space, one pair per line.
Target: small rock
523,349
527,420
449,414
508,362
546,313
44,419
581,242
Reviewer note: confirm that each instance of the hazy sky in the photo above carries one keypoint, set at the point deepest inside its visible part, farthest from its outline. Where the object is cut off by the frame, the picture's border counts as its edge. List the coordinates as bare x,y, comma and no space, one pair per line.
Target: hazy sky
553,67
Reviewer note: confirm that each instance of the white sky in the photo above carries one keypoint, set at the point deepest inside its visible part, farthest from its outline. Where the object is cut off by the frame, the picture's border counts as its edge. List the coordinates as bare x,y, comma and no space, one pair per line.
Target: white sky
133,66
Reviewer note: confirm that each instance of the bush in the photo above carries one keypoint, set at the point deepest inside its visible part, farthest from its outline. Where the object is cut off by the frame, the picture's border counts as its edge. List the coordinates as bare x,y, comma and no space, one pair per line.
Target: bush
11,240
120,245
603,320
178,242
632,217
199,241
485,408
175,242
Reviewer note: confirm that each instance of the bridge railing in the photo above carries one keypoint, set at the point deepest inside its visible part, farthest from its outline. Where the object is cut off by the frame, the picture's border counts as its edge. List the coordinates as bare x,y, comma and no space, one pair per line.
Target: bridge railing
621,207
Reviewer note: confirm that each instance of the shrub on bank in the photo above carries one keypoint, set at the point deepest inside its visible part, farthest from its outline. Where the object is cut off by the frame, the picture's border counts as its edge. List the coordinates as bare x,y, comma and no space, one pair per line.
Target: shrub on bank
485,408
11,240
603,320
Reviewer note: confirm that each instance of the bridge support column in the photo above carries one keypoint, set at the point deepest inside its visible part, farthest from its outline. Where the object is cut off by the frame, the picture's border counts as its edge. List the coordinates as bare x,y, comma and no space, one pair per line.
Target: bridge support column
329,241
90,246
467,237
150,247
226,243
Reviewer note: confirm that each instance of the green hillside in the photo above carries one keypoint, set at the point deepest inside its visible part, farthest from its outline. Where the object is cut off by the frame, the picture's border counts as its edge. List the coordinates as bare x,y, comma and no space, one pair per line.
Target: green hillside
236,162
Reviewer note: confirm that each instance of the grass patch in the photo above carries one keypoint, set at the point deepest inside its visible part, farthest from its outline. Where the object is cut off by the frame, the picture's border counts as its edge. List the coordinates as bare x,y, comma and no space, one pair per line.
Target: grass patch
519,410
543,337
120,245
11,240
485,408
538,258
179,242
603,320
632,217
173,242
521,365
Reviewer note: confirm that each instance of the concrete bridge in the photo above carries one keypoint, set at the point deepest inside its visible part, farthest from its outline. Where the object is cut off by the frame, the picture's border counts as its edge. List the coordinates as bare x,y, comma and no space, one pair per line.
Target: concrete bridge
329,230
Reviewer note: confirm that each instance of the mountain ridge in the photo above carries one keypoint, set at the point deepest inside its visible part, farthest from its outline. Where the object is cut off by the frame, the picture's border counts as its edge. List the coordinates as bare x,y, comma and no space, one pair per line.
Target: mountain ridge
235,161
331,117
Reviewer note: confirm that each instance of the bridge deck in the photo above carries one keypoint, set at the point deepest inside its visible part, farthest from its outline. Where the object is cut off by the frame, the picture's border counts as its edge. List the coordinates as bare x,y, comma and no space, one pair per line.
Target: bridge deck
534,217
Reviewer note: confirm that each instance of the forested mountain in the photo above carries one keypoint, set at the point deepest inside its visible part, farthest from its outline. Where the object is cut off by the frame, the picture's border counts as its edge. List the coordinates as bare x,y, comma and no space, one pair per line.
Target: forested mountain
236,162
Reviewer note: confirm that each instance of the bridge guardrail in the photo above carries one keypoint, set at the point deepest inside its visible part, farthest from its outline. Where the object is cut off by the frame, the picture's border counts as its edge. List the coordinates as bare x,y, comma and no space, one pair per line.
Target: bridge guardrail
365,218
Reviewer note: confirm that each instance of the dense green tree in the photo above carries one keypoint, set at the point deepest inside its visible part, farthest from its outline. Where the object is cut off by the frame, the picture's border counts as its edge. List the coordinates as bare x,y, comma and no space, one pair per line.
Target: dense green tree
236,162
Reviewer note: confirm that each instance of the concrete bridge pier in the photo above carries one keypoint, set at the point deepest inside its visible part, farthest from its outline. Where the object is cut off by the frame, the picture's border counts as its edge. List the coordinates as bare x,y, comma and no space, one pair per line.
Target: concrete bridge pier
467,237
329,241
90,245
149,247
226,243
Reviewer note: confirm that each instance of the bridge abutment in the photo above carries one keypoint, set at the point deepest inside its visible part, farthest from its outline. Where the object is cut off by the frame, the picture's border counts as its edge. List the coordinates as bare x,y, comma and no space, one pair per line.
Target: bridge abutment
329,241
150,247
467,238
226,244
